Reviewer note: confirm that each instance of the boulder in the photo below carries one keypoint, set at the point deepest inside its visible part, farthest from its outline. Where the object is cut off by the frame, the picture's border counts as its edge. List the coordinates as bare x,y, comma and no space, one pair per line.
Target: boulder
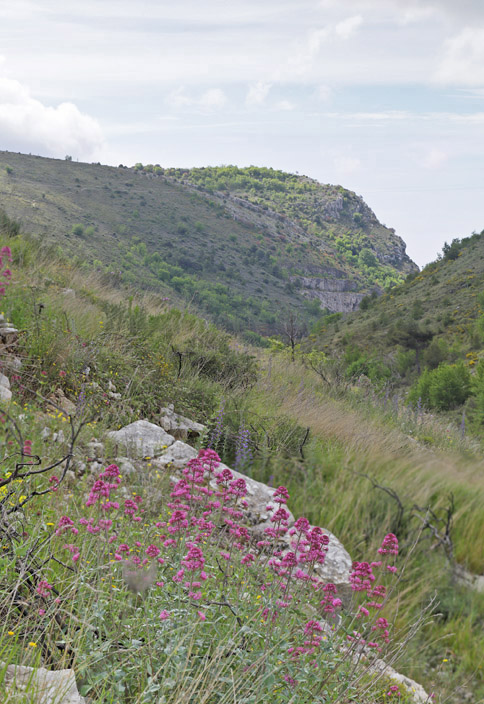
415,690
58,400
95,449
5,393
8,334
141,439
179,426
42,686
259,497
337,564
176,456
125,465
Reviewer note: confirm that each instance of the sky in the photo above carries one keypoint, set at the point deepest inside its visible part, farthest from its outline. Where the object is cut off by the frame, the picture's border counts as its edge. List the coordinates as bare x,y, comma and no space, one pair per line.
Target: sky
385,97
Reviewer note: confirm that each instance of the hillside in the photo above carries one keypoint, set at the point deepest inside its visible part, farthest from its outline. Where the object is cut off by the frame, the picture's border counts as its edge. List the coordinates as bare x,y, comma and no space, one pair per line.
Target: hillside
109,361
245,246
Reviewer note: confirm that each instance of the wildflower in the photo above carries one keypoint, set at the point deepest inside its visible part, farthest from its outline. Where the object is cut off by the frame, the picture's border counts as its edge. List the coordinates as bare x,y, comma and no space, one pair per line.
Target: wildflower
389,545
201,615
164,615
43,588
32,644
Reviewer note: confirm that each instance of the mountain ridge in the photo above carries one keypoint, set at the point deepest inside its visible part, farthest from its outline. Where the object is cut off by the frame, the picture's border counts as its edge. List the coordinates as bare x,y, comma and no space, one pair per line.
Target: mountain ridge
247,246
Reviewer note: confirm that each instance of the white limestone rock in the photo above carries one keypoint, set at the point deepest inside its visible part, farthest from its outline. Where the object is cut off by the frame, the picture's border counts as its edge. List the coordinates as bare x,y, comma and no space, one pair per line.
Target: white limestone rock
414,689
141,439
176,456
42,686
179,426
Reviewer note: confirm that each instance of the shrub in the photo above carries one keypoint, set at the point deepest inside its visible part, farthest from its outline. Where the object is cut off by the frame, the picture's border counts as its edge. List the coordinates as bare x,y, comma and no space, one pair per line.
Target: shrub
77,229
444,388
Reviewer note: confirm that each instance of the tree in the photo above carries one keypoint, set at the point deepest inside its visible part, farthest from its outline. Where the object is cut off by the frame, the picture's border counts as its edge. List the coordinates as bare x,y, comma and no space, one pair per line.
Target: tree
412,337
293,332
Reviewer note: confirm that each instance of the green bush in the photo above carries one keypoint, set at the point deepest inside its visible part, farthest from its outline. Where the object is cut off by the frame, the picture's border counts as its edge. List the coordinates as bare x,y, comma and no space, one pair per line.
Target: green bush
443,388
77,229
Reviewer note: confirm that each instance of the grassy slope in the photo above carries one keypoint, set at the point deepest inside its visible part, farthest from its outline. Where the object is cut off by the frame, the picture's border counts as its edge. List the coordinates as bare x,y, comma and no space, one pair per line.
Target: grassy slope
443,298
346,439
171,234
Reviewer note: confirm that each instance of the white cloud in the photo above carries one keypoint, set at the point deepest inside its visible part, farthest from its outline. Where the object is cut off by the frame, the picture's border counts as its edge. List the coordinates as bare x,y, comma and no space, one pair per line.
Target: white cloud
434,159
285,105
212,99
463,62
26,124
257,93
346,28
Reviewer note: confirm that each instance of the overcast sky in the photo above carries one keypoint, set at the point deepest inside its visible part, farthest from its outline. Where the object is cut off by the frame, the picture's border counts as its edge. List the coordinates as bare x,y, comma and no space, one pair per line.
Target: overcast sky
385,97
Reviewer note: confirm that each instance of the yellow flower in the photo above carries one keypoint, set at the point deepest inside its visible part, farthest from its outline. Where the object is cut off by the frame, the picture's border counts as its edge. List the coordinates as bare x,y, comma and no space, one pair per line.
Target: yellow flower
32,644
11,633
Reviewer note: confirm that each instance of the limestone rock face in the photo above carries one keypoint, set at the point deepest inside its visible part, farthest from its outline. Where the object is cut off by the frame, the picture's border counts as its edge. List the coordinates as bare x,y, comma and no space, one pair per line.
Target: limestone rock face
43,686
141,439
179,426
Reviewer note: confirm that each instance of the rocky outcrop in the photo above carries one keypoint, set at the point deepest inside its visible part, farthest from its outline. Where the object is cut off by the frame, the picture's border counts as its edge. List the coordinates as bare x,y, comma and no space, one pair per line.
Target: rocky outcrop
335,294
40,686
141,439
146,438
180,427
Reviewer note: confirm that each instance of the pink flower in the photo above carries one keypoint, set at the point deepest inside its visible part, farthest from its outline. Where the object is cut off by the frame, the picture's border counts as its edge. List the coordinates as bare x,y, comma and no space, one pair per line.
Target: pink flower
201,615
389,545
43,588
164,615
41,612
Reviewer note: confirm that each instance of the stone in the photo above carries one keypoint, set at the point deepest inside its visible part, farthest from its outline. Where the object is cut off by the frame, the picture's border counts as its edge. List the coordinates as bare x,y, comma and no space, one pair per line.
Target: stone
259,497
12,363
415,690
59,437
337,564
125,465
42,686
4,381
179,426
45,434
176,456
95,449
5,393
141,439
58,400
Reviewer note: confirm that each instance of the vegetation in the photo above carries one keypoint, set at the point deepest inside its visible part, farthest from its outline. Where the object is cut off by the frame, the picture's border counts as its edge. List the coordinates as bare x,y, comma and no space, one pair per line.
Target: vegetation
354,459
227,242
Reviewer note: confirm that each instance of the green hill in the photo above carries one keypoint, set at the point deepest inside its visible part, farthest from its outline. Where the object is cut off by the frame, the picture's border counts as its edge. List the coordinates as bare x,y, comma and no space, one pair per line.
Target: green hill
349,467
243,245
